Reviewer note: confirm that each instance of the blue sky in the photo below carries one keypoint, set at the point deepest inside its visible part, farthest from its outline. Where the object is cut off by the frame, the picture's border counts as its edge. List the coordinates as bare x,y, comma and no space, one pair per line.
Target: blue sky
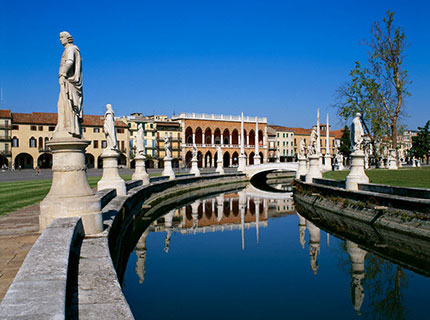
280,59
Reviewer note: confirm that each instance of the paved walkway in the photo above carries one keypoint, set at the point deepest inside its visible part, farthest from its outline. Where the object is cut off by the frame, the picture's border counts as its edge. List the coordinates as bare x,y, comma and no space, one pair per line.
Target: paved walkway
19,230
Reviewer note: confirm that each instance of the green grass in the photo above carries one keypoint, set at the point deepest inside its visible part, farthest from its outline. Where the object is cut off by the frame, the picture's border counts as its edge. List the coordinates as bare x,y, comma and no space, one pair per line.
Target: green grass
19,194
410,177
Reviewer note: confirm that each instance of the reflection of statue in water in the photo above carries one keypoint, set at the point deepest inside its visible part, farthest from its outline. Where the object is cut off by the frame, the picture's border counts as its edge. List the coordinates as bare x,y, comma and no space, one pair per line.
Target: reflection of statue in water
357,257
302,230
141,256
140,145
302,148
313,253
70,101
194,151
312,148
356,133
167,241
109,128
167,146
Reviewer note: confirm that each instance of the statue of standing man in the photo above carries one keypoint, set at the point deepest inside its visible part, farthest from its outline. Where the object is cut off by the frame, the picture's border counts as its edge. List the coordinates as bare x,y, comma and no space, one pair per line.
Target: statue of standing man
356,133
140,144
109,128
70,100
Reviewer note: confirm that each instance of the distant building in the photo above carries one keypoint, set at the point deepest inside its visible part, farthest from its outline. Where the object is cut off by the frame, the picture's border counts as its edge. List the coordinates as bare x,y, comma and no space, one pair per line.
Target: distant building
31,131
5,138
208,131
284,142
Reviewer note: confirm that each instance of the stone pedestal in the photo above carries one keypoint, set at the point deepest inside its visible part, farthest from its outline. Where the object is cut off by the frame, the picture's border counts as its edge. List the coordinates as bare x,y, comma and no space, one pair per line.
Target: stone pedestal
257,159
219,167
278,160
302,169
140,170
111,178
70,194
195,167
314,168
357,174
242,163
327,162
168,171
392,160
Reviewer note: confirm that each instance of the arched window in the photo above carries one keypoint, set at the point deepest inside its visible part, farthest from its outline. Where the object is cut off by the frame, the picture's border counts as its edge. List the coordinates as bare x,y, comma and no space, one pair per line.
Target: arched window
40,143
32,142
15,142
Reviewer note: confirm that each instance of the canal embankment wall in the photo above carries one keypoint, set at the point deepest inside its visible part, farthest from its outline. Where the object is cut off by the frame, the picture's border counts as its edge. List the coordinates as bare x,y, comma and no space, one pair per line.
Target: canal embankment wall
405,210
67,275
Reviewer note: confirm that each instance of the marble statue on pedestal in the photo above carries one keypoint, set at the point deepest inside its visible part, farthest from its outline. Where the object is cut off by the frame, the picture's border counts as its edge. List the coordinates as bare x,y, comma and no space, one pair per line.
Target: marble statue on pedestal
109,129
167,146
312,148
168,171
194,152
194,162
278,156
301,157
70,194
314,158
140,170
302,148
70,100
219,167
357,174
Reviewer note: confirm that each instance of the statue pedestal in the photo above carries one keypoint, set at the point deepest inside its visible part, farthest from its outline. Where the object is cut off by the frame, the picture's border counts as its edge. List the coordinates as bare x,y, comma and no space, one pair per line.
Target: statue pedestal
392,161
278,160
219,167
111,178
327,162
257,159
357,174
70,194
168,171
140,170
314,168
194,167
242,163
302,169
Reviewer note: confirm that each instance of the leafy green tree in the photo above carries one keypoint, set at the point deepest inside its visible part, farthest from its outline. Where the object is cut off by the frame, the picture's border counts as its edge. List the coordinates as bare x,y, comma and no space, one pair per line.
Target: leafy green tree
421,142
378,90
345,142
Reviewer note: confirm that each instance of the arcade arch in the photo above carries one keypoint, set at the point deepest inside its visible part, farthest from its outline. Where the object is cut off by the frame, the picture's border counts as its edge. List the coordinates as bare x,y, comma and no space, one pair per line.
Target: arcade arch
45,161
24,161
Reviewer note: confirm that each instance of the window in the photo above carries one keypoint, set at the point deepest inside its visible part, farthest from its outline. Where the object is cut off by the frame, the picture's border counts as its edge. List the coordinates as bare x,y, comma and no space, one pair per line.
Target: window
122,145
32,142
33,128
284,152
104,144
120,130
277,134
95,143
96,130
284,135
284,143
84,129
51,128
40,128
15,127
15,142
40,143
278,143
6,147
291,143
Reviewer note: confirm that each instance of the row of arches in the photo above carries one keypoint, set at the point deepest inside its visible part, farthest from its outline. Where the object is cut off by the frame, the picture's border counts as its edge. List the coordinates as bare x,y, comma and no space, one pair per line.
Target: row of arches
221,137
44,161
209,160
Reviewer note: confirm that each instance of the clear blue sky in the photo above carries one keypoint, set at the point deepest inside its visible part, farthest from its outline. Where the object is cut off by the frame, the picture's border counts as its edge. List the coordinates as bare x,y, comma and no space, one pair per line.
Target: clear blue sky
280,59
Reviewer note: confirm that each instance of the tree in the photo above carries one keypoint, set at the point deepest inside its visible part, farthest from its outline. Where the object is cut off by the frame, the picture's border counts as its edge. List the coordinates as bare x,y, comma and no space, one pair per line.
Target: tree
345,142
378,91
421,142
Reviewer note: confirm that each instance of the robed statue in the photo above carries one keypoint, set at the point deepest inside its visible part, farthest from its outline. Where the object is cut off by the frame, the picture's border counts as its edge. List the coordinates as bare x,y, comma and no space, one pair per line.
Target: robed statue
356,133
219,153
140,146
312,148
194,151
302,148
167,146
70,100
109,129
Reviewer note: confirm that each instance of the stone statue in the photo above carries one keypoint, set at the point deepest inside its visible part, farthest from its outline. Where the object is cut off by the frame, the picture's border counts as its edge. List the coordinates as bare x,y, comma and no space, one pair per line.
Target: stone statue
356,133
70,100
140,145
219,153
302,148
278,154
109,128
312,148
194,151
167,146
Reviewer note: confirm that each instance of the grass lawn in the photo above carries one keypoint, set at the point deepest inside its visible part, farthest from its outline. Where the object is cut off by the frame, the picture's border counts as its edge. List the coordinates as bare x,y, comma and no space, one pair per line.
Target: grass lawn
408,177
19,194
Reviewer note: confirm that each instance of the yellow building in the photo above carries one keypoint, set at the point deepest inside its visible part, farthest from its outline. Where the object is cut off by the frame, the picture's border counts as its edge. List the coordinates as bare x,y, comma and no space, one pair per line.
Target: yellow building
31,131
5,139
284,142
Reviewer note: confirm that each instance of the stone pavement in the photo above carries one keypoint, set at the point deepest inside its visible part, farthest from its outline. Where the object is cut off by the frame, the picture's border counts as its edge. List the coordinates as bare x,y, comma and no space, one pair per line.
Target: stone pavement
19,230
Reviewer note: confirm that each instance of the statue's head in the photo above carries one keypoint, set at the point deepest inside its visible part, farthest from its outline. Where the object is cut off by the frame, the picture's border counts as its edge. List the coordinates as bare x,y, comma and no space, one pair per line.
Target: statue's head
358,114
139,127
109,107
65,38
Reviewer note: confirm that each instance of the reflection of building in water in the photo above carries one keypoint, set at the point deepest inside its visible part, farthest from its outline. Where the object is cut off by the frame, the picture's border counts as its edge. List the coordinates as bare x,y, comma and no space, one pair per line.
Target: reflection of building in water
141,256
357,256
302,230
314,245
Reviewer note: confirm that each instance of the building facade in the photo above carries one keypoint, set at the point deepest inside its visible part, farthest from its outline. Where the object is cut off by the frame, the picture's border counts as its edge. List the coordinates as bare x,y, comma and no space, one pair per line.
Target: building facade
208,131
5,138
284,143
31,131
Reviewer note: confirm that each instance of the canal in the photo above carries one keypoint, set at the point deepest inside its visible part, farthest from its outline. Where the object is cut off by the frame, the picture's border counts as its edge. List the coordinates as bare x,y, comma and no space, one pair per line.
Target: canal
249,255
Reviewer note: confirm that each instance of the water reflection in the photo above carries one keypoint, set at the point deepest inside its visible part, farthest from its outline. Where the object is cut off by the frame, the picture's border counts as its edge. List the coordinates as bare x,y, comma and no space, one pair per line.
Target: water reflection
243,211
